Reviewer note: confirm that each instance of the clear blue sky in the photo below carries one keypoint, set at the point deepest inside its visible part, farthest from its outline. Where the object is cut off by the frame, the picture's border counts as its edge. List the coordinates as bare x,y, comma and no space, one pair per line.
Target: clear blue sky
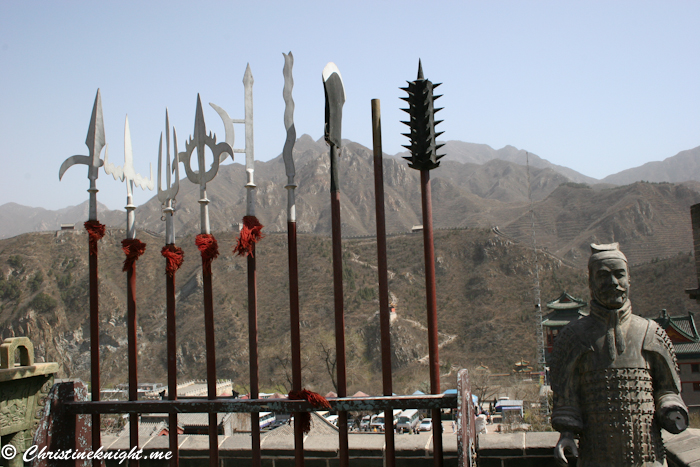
597,86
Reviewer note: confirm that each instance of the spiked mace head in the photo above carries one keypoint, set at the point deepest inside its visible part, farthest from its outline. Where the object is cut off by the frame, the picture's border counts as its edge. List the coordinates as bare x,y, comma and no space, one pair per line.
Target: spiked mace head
422,123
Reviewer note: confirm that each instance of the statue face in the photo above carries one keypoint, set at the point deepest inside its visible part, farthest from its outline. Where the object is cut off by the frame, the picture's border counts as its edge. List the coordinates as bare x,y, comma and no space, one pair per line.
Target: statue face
609,282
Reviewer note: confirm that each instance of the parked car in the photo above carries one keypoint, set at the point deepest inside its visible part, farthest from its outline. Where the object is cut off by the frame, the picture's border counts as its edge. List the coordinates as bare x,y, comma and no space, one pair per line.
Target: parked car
426,424
364,423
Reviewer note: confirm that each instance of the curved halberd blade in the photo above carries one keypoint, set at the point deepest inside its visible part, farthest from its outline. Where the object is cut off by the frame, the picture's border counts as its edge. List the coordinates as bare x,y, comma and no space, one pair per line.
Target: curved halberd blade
228,126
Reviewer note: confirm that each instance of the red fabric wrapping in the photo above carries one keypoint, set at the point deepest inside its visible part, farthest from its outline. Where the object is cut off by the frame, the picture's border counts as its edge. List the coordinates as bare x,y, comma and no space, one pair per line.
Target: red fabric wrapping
96,231
250,234
209,248
174,257
313,398
133,248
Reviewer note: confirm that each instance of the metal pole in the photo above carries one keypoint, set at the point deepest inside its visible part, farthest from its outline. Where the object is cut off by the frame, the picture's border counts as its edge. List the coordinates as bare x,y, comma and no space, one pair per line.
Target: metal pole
338,305
133,368
211,365
384,318
287,155
295,337
172,367
94,348
335,98
429,253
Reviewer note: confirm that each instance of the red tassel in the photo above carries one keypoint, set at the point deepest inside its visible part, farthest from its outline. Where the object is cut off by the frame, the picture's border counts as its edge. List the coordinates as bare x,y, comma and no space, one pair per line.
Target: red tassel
209,248
313,398
250,234
173,258
133,248
96,231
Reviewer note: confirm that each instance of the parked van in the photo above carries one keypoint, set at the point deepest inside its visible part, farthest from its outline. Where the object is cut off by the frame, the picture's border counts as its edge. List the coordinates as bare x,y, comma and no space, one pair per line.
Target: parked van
408,420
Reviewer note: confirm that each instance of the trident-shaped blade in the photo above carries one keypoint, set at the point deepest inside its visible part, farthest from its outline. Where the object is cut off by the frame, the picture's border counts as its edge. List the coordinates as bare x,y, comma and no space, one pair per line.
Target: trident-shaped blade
168,195
199,140
95,141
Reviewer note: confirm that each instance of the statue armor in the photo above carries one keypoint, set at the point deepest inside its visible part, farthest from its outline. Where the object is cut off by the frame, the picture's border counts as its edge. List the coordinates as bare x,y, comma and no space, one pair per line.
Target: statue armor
612,391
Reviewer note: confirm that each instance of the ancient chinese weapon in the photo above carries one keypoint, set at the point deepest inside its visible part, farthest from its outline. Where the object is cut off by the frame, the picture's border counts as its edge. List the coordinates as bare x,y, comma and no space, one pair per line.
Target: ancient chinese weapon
207,245
95,141
424,158
173,260
250,234
133,248
292,249
335,98
382,272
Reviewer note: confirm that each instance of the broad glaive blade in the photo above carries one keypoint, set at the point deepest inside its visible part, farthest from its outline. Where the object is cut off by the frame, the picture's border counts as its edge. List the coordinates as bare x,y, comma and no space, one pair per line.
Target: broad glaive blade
335,98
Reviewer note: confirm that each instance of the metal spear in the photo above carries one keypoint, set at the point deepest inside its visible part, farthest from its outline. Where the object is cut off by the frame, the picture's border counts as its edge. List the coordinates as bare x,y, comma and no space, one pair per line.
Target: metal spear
424,157
287,155
95,141
207,246
335,98
250,233
133,248
174,256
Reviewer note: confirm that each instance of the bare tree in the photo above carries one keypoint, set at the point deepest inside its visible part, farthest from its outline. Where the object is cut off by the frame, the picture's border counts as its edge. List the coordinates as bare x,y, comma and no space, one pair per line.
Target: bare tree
329,358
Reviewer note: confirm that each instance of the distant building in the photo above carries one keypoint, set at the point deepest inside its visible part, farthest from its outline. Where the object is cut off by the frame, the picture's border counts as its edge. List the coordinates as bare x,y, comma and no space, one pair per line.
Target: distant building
686,341
563,310
67,226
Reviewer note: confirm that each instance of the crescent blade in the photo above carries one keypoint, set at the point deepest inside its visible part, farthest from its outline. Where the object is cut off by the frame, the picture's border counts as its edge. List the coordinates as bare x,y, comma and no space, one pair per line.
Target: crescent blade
228,126
71,161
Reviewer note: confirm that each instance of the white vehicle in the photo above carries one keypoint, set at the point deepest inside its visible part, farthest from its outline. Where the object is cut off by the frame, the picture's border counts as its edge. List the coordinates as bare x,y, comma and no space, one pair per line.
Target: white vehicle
266,419
426,424
377,423
408,420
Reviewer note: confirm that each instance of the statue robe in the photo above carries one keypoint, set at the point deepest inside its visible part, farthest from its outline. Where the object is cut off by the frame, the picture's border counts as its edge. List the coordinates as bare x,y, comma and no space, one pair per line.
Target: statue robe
613,375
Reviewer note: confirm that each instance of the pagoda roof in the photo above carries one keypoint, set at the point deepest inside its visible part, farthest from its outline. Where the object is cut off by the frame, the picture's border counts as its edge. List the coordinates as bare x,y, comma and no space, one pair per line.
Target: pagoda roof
559,318
566,302
681,329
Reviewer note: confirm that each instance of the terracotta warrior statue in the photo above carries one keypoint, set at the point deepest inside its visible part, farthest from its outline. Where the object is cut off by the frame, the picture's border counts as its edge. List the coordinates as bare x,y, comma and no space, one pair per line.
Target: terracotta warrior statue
614,376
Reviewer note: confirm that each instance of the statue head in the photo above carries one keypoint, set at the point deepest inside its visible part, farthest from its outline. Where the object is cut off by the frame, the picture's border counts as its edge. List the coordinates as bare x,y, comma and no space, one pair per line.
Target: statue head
608,275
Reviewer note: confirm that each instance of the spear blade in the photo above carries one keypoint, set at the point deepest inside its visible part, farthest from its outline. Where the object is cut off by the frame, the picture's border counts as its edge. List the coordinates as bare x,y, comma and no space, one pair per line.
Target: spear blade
289,118
95,141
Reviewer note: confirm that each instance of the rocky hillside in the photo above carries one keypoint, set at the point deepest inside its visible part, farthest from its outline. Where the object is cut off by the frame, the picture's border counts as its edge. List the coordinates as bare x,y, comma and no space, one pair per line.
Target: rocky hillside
649,220
682,167
484,287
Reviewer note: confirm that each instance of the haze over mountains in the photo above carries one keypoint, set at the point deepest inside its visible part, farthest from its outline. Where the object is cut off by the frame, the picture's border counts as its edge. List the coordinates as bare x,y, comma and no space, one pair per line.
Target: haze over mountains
475,186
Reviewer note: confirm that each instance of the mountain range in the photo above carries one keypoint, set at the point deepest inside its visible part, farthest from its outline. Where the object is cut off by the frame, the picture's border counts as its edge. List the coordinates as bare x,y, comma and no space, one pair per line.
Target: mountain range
475,186
485,266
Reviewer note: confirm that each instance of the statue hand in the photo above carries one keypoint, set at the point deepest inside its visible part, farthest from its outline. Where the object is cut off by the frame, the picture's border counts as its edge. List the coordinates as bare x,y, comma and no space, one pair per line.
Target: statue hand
566,441
674,421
